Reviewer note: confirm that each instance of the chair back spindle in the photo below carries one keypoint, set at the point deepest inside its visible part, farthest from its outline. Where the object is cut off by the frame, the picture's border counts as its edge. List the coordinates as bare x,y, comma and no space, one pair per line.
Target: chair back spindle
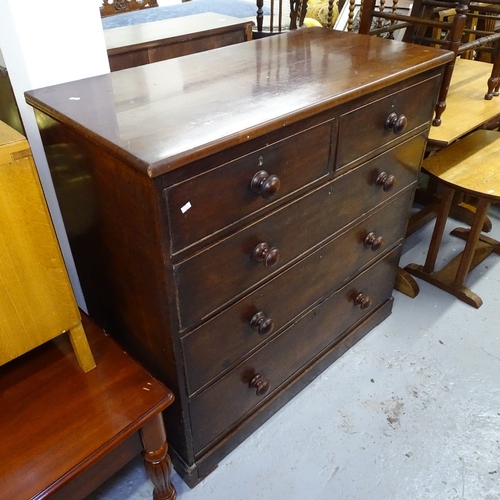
448,24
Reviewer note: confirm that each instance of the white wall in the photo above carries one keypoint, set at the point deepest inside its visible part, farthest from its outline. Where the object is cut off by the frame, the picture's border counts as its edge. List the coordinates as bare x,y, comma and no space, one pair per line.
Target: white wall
45,43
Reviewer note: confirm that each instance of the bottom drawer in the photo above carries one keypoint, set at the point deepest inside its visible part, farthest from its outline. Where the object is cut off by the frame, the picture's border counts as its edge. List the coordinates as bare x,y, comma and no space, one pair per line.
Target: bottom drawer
216,410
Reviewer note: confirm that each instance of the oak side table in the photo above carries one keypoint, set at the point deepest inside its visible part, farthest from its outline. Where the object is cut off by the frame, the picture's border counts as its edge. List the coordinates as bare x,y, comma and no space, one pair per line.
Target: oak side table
65,431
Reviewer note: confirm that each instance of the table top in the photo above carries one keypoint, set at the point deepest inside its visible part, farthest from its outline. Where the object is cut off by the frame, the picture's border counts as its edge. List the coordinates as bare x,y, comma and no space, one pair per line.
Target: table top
161,116
466,107
126,37
57,420
470,164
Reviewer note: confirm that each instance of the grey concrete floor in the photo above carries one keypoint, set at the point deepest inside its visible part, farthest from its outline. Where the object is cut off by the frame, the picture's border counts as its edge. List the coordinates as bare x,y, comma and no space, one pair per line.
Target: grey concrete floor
410,412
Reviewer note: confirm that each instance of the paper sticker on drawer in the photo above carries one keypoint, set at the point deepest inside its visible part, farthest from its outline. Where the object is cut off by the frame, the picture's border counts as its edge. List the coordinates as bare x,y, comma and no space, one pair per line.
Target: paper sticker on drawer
186,207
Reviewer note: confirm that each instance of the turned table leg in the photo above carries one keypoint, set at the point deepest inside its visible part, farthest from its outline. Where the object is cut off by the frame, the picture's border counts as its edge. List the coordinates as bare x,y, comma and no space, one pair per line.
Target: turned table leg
452,276
470,247
156,459
437,235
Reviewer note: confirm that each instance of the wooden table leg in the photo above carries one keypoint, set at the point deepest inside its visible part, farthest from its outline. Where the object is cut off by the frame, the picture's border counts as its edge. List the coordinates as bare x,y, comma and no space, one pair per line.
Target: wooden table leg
437,235
156,459
461,209
406,284
451,278
475,231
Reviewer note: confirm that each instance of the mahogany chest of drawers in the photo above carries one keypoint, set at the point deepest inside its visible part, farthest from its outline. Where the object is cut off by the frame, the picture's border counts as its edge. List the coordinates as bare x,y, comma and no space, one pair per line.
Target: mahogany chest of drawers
236,216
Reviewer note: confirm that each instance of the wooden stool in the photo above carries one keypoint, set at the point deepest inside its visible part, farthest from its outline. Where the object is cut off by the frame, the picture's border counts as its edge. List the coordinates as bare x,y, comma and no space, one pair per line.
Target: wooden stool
471,165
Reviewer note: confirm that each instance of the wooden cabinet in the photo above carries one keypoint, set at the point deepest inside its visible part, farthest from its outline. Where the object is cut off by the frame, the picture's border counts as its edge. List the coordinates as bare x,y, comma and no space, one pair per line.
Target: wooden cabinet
249,213
36,298
131,46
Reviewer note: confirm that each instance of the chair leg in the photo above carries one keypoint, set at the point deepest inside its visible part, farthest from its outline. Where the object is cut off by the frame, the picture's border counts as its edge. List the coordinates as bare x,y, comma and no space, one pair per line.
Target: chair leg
443,93
494,79
454,38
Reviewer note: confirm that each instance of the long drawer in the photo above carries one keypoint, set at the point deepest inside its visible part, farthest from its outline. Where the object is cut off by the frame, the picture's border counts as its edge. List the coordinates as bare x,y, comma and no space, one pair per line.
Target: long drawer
207,281
232,334
288,353
213,200
364,130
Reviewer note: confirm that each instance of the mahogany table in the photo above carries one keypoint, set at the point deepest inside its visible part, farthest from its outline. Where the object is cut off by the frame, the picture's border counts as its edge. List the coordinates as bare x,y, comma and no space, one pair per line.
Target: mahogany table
65,431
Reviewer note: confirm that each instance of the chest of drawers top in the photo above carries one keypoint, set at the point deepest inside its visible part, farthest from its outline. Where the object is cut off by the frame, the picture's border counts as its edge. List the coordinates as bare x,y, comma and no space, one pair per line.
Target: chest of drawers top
161,116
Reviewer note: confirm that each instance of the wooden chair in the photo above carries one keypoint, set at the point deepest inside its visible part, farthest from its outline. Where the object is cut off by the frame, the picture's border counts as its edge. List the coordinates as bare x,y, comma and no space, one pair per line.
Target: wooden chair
110,8
284,15
290,14
425,25
470,165
324,11
466,112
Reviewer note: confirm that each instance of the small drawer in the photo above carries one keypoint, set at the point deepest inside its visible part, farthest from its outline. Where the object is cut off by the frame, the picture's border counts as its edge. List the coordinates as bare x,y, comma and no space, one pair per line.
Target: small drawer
222,341
218,409
212,278
366,129
215,199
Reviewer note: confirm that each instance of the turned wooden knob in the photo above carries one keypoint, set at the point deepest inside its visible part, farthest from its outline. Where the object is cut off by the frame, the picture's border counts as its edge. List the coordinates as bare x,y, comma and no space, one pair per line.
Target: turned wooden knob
395,123
373,241
363,301
264,184
386,181
261,385
266,254
262,324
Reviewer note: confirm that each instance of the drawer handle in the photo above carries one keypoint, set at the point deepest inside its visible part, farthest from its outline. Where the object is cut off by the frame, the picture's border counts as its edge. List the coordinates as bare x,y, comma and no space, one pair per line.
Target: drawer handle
260,384
264,253
386,181
363,301
373,241
264,184
395,123
262,324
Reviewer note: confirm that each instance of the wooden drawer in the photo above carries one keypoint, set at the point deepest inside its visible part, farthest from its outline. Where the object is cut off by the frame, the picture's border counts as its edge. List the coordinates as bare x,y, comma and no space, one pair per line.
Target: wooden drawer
215,199
229,336
193,44
362,131
210,279
288,353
